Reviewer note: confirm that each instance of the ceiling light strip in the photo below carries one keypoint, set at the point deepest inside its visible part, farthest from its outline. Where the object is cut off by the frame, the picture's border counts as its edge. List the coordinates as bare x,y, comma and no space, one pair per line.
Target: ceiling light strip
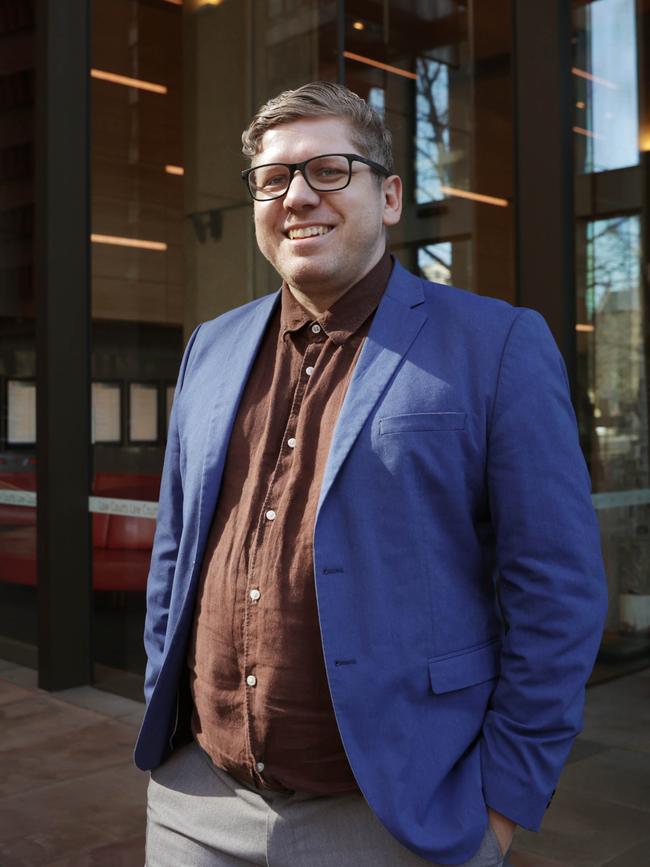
175,170
582,131
350,55
581,73
118,241
475,197
583,326
127,82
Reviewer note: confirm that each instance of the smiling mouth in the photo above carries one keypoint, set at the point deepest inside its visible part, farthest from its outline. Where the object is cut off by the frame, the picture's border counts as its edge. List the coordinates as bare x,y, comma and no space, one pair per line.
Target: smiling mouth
308,232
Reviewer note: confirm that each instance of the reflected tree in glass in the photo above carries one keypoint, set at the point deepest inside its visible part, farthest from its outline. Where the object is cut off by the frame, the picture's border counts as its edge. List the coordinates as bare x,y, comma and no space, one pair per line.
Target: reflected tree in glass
432,133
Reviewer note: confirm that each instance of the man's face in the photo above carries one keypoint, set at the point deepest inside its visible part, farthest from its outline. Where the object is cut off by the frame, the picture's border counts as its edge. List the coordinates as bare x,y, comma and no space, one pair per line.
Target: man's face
352,220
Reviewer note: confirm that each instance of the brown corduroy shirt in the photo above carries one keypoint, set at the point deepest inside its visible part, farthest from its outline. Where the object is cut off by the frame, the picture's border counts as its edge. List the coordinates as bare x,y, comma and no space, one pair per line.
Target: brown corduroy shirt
262,707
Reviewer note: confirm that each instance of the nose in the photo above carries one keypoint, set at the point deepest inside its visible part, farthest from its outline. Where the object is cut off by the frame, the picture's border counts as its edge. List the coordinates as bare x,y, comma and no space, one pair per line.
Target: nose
300,194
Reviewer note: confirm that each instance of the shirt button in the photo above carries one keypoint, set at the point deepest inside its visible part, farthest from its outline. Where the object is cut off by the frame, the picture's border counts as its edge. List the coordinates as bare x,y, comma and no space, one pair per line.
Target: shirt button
271,515
291,442
309,371
251,680
255,594
260,767
316,328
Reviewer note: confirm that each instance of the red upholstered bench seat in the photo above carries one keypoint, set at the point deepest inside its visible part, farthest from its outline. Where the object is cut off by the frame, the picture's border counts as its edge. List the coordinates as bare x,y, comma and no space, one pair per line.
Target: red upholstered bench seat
17,516
121,543
18,555
113,569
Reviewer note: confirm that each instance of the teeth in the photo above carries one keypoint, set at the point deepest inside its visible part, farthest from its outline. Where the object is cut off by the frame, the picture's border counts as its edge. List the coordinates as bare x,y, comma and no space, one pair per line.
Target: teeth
308,231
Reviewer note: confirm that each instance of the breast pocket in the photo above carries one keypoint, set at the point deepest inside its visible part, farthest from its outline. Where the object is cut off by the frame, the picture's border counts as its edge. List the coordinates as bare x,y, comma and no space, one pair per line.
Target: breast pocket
422,421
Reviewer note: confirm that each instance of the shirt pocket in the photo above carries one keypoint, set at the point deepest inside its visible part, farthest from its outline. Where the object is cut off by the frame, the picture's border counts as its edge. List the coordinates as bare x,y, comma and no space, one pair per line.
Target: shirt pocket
422,421
465,667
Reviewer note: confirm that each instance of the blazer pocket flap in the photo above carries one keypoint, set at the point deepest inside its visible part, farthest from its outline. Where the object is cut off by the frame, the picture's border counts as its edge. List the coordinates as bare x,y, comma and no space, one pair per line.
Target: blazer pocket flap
466,668
422,421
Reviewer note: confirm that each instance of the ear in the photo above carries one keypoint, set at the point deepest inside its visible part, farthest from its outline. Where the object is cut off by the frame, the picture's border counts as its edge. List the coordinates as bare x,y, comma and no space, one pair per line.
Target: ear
392,193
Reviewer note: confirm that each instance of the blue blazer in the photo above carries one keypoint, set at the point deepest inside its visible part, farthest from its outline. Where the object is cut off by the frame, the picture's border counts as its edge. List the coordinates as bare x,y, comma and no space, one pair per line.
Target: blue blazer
457,561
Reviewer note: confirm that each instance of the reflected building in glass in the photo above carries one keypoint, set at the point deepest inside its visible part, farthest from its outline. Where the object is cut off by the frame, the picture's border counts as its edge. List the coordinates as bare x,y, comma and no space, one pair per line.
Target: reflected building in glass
522,137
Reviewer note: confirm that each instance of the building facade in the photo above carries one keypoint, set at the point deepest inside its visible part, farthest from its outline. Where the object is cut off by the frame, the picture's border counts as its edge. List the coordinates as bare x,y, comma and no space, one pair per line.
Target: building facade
522,135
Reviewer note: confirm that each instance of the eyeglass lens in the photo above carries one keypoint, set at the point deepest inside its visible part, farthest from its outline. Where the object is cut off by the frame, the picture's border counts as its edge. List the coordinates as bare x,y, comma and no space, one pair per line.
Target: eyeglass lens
321,173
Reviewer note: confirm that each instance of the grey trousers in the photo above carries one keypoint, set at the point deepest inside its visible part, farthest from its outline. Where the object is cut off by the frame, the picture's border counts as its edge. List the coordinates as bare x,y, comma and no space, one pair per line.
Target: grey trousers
199,816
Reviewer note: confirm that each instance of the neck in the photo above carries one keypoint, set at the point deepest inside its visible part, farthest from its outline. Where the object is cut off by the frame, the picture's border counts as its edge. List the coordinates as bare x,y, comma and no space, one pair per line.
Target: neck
318,299
317,303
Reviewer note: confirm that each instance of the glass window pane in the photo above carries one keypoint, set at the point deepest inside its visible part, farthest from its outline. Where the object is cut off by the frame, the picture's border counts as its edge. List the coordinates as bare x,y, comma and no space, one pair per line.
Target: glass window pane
140,227
613,353
173,245
18,573
606,121
440,73
446,262
432,132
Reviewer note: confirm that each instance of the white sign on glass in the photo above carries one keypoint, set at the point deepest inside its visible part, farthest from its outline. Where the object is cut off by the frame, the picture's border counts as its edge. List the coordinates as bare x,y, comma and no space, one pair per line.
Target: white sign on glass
106,421
143,412
21,412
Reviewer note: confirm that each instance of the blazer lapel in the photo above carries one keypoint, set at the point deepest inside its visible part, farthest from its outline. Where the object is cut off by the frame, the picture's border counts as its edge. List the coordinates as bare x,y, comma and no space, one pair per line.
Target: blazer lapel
398,319
237,358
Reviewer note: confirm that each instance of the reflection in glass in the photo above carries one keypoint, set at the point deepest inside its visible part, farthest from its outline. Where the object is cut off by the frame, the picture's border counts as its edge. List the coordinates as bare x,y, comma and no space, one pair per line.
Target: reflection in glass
18,573
612,347
612,305
446,262
434,262
432,134
613,415
141,223
606,120
446,94
377,99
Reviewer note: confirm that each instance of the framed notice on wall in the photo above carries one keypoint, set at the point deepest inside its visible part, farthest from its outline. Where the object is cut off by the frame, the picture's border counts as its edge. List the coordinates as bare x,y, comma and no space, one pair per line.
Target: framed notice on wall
21,412
106,421
143,412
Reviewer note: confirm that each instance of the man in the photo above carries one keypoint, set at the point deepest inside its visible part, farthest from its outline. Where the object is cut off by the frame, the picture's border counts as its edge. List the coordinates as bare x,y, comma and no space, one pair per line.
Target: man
376,568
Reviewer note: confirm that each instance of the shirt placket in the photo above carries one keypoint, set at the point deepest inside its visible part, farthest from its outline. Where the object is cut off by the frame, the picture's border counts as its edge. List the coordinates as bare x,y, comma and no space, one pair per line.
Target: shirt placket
269,523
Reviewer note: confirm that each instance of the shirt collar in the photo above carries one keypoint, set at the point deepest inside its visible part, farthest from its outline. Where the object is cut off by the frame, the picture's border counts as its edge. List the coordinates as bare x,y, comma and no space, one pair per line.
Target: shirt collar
346,315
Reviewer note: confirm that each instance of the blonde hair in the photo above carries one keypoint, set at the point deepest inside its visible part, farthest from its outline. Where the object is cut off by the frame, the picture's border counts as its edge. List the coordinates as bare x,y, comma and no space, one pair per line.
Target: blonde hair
324,99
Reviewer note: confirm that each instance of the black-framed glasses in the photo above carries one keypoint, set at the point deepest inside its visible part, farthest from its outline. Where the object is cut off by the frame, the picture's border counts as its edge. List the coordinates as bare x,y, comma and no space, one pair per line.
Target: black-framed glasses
326,173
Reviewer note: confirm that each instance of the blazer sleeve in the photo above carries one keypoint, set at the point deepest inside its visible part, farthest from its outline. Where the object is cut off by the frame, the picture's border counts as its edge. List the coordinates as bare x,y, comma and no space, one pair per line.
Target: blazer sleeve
551,584
169,527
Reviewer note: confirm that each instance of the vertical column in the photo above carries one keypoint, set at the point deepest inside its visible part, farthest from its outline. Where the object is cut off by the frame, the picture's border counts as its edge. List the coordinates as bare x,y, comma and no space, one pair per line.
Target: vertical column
62,338
492,169
544,166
